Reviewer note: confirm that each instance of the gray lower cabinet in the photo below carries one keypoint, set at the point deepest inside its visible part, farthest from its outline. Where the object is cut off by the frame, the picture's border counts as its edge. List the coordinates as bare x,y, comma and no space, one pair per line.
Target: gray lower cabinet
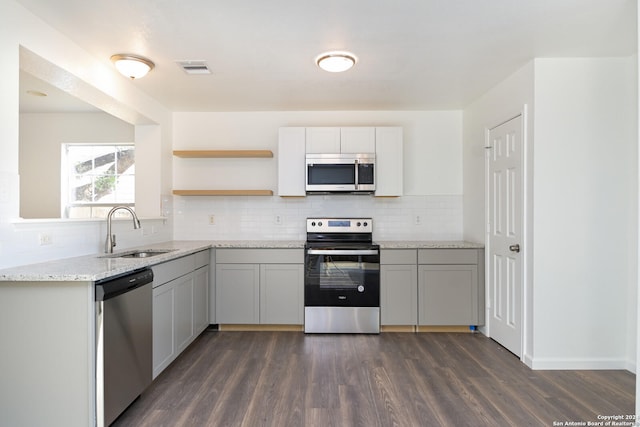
450,287
164,350
432,287
237,293
180,306
260,286
201,291
398,287
448,294
282,294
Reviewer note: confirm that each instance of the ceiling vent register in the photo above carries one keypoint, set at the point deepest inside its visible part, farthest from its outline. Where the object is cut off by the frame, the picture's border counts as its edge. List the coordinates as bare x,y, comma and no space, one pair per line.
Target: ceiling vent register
194,67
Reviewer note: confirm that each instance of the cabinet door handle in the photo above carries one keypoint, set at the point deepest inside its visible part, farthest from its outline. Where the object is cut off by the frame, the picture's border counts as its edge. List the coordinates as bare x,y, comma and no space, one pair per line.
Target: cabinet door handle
514,248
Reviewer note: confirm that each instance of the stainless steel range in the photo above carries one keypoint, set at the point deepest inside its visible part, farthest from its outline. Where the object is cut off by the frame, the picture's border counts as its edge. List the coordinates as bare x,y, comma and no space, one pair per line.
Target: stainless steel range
342,277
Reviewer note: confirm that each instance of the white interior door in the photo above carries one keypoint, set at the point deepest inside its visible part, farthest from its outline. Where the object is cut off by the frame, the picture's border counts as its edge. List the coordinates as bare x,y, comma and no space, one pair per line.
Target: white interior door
505,234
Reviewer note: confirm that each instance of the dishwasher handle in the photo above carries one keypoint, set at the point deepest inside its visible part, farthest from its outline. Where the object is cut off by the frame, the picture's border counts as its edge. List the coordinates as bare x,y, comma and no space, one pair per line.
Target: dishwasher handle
114,286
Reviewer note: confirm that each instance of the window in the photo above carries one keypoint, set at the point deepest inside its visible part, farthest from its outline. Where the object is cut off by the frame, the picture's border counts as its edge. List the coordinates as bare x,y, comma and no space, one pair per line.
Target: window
97,177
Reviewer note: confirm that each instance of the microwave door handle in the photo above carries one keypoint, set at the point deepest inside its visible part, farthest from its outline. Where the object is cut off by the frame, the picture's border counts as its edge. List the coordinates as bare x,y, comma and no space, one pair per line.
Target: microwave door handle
342,251
356,173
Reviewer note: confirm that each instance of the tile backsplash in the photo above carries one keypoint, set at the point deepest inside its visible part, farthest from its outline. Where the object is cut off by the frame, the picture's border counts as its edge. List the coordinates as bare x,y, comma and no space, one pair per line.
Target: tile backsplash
275,218
21,241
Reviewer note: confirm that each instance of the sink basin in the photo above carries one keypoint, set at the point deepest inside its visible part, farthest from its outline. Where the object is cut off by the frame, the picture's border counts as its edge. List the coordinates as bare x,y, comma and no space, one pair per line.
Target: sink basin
139,253
143,254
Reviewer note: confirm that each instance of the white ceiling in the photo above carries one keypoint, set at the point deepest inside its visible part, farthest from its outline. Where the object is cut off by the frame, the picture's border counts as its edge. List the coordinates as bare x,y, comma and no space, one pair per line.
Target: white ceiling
56,100
413,54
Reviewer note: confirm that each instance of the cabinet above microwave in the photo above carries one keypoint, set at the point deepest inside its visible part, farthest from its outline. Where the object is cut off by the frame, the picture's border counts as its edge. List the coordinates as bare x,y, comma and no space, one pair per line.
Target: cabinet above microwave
346,140
294,145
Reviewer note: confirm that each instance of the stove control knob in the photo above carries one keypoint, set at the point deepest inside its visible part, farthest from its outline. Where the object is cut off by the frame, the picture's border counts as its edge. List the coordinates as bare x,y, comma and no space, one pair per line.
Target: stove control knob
360,288
358,224
365,224
313,223
319,223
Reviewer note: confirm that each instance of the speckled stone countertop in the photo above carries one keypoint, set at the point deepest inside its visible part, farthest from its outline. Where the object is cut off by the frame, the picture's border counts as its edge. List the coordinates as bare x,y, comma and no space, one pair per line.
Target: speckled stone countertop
101,266
258,244
428,244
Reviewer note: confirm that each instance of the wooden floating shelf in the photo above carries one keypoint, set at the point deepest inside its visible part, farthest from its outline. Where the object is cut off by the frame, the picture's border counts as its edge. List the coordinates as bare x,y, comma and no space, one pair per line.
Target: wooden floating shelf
222,153
223,192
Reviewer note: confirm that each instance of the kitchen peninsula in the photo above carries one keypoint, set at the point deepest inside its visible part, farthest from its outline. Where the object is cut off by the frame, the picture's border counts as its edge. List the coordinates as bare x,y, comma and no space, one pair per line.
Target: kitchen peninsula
47,316
48,331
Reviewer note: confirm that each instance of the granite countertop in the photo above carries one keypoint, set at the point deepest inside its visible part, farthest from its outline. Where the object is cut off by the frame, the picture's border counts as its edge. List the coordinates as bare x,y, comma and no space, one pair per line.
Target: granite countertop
259,244
428,244
101,266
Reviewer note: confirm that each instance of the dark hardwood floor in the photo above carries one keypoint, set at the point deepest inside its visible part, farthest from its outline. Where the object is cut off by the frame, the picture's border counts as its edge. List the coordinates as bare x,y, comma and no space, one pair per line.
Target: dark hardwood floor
391,379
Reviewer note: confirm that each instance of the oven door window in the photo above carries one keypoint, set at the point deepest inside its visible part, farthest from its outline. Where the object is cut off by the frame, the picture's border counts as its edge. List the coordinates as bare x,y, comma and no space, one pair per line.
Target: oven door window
340,274
342,280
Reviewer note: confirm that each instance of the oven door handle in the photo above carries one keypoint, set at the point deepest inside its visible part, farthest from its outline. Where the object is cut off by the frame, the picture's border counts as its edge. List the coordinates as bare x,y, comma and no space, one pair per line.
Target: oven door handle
342,251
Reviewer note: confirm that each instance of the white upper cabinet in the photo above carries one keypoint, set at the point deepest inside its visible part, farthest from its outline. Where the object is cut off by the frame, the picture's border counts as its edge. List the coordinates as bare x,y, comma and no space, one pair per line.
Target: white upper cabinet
389,158
332,140
323,140
358,140
291,163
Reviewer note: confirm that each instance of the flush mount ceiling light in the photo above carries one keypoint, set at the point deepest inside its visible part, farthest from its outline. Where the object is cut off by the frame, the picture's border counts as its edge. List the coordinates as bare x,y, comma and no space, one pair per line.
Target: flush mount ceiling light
132,66
336,62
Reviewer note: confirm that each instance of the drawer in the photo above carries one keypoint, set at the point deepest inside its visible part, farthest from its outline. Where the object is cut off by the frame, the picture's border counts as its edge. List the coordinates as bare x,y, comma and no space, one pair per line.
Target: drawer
167,271
260,256
202,258
448,256
398,256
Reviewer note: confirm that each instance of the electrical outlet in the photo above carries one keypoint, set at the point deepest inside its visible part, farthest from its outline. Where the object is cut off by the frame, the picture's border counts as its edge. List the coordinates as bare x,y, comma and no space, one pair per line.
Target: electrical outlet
278,220
148,231
418,220
44,239
212,220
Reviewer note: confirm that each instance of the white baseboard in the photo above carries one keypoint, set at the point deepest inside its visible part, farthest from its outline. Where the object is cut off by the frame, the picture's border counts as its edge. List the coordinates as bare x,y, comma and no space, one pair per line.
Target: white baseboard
541,363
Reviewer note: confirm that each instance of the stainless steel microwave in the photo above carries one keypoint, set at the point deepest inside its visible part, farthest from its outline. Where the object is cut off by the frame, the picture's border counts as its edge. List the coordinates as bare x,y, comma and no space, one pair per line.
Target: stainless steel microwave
340,173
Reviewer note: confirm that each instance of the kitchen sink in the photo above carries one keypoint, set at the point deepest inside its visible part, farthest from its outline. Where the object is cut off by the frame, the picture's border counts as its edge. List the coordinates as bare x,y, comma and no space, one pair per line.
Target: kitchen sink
139,253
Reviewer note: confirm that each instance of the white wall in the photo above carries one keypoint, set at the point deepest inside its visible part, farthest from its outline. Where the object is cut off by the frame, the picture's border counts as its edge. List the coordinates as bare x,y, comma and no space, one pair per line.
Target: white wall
41,139
432,176
580,171
634,319
584,211
28,42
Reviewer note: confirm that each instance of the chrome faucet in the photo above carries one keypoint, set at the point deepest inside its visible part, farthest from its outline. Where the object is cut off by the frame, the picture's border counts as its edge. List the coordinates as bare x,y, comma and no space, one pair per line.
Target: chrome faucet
111,238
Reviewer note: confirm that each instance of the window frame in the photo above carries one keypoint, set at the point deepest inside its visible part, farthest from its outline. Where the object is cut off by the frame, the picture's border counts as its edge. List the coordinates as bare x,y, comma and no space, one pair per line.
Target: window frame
66,177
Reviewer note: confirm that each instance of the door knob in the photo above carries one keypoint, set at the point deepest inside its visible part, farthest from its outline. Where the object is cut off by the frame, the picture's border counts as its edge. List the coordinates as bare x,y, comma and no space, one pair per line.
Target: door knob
514,248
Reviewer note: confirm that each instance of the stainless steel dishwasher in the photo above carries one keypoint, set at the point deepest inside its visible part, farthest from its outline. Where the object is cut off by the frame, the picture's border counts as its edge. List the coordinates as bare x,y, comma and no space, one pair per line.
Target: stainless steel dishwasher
123,342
